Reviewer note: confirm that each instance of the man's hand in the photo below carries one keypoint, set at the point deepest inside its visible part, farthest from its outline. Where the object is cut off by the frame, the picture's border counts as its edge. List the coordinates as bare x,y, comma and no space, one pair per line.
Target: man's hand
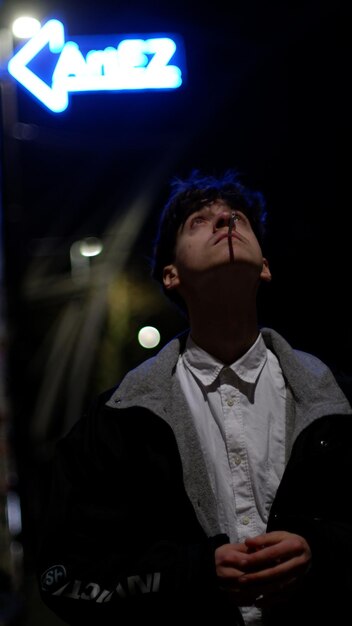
264,569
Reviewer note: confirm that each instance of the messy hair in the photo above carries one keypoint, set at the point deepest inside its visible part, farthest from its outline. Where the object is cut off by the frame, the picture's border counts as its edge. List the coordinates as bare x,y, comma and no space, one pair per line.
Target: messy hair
187,196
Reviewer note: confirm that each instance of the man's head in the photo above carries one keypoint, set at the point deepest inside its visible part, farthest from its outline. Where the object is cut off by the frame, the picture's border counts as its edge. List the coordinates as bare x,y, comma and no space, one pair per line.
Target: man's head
203,195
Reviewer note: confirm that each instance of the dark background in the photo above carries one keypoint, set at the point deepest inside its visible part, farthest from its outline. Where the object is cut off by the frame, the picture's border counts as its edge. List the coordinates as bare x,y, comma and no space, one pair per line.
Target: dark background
266,92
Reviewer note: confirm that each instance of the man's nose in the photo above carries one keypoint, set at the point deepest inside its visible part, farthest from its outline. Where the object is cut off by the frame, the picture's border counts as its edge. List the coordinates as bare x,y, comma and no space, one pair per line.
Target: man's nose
222,220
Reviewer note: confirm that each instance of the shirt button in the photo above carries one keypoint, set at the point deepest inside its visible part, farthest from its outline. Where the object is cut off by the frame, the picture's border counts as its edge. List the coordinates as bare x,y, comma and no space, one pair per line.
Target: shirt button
245,520
238,459
230,402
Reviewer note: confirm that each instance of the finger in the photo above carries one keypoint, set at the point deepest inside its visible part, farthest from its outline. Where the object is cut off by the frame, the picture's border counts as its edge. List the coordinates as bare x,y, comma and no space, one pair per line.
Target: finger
281,571
270,556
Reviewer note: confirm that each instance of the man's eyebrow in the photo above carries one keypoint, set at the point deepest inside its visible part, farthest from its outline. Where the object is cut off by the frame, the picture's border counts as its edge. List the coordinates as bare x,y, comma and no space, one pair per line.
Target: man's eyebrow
197,211
207,207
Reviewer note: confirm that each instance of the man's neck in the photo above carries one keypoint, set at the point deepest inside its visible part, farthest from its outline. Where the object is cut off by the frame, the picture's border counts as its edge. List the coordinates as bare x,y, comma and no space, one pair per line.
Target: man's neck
227,335
222,309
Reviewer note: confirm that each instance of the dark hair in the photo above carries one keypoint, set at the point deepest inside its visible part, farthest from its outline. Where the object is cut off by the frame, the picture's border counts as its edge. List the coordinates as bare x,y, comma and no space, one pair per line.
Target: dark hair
188,196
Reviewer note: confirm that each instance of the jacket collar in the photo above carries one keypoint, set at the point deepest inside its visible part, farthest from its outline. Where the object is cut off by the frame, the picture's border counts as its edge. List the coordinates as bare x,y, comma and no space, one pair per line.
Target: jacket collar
311,383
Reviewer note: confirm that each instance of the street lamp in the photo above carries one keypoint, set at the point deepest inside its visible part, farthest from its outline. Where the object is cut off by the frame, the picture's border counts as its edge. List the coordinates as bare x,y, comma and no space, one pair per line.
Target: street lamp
25,27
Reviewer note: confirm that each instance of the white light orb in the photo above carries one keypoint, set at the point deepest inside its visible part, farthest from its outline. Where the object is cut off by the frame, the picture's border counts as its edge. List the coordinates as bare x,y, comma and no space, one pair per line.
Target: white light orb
148,337
25,27
91,246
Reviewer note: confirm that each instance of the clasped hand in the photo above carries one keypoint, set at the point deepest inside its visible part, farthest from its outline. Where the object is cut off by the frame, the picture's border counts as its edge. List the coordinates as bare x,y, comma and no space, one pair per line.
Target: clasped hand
264,569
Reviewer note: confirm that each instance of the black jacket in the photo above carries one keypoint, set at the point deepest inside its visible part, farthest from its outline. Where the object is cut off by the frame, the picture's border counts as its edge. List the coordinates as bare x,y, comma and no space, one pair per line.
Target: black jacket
123,542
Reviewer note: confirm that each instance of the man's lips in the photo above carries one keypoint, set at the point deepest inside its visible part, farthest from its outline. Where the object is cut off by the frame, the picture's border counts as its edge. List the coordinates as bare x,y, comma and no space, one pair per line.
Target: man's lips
234,235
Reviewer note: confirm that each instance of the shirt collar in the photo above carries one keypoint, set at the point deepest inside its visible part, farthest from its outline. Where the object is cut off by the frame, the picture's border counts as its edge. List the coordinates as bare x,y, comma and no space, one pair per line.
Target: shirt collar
207,367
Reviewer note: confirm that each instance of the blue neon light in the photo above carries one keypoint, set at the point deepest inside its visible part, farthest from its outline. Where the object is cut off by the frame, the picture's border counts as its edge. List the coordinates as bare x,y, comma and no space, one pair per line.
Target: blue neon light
133,64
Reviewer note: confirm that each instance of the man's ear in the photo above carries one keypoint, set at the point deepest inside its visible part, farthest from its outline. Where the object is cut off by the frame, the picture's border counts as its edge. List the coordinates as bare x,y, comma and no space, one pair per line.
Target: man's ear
265,273
170,277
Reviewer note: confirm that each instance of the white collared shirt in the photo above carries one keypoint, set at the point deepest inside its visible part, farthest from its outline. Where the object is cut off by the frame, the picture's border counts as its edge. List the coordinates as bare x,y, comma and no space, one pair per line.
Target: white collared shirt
239,415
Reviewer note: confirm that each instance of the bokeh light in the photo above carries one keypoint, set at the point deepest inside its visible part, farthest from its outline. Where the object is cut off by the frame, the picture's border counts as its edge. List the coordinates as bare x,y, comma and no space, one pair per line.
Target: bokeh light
25,27
148,337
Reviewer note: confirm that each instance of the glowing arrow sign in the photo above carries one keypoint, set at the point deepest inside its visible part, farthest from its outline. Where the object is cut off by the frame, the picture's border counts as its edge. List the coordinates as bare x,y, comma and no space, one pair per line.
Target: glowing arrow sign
135,63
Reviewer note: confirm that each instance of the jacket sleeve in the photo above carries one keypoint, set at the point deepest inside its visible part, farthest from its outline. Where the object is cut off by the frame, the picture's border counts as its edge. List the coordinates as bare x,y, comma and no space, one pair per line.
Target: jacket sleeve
313,501
121,538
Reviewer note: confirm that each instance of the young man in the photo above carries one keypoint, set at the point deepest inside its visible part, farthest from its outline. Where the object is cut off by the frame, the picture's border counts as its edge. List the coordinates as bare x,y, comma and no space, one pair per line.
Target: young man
212,483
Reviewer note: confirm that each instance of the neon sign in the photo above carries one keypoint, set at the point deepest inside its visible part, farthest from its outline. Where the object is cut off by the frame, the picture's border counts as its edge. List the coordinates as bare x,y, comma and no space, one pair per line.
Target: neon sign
132,63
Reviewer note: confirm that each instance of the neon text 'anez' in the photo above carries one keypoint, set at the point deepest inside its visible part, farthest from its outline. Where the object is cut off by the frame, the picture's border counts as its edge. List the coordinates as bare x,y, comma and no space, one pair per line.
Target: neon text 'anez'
132,63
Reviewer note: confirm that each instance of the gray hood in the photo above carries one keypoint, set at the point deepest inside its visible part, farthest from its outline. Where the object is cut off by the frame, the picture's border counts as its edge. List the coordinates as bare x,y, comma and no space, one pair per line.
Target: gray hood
314,389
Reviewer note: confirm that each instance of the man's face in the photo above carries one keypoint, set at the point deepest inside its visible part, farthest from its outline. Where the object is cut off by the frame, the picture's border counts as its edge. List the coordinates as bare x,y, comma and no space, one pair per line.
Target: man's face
203,244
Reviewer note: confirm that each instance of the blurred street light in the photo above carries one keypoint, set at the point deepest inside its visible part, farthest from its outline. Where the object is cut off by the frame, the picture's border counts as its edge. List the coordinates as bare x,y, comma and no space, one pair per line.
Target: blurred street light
25,27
